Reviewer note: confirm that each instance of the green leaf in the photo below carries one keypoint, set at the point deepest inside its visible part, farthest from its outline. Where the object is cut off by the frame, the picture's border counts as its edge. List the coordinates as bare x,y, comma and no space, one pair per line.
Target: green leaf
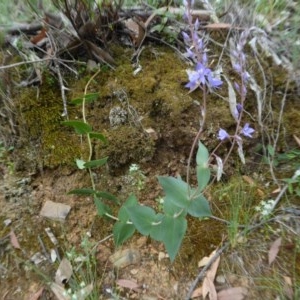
79,126
271,150
122,232
173,232
88,98
80,164
82,192
202,156
203,176
106,195
199,207
142,217
170,208
157,230
96,163
102,208
176,191
123,215
98,136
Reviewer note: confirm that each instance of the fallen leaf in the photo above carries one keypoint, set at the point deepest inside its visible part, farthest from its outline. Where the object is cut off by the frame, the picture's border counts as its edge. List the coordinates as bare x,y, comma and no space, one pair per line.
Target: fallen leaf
205,260
64,272
248,180
287,288
37,295
14,240
236,293
59,292
296,139
129,284
274,249
197,292
208,287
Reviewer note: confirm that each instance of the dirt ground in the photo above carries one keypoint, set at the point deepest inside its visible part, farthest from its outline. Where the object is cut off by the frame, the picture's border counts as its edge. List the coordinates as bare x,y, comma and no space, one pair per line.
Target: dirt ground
156,99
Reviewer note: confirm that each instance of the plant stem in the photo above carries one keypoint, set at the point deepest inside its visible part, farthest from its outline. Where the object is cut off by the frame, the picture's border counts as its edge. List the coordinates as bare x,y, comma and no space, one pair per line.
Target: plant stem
84,120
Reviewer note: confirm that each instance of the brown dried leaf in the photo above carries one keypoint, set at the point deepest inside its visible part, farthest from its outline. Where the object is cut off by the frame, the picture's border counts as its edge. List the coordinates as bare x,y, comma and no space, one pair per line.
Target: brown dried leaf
37,295
296,139
197,292
287,288
59,292
208,287
14,241
274,249
237,293
248,180
129,284
64,272
205,260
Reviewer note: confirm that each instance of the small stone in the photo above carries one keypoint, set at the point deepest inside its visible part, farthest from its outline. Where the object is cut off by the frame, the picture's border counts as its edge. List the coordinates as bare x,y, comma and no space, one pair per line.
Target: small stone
7,222
55,211
134,271
124,258
220,279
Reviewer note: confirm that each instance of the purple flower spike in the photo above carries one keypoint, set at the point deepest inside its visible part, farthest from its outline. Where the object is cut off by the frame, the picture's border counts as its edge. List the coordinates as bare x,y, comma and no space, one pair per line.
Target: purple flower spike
223,135
247,130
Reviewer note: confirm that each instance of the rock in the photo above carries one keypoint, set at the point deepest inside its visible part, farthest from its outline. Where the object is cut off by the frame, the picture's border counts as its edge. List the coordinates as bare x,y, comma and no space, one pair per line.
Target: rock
124,258
55,211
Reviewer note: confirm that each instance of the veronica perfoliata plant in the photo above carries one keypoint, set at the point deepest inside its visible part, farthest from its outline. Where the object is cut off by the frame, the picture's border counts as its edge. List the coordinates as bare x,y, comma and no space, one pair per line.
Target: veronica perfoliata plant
180,200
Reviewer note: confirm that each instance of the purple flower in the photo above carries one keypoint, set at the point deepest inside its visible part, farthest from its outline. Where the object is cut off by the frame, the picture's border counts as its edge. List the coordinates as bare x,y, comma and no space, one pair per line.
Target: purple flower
223,135
186,37
213,82
237,111
202,76
247,130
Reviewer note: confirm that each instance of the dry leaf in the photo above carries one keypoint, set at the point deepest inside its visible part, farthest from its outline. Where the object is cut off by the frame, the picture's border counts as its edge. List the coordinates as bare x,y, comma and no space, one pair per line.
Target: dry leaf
287,288
129,284
274,250
64,272
14,240
296,139
197,292
37,295
237,293
59,292
248,180
208,287
205,260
